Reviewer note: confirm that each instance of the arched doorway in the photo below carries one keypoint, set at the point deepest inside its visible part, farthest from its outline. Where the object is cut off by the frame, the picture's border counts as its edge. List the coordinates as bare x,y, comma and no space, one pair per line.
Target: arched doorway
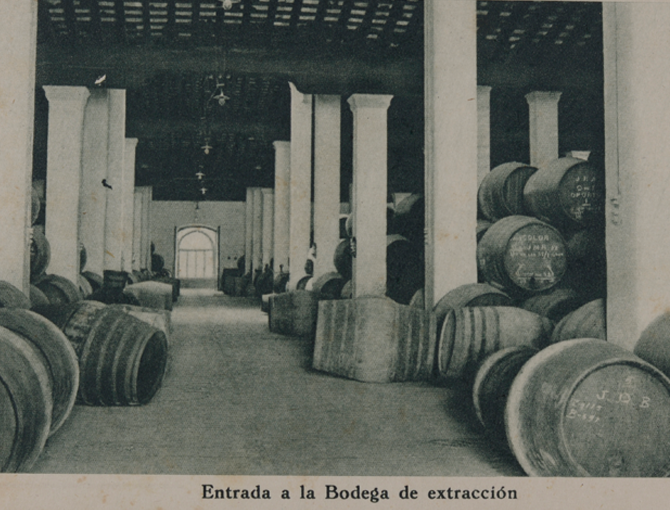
197,256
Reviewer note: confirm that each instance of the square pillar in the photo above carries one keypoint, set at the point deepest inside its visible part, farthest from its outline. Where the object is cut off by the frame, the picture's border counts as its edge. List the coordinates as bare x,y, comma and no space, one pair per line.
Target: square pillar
300,192
637,154
450,146
281,202
64,170
18,40
327,128
116,143
128,202
93,194
369,190
543,111
248,230
483,132
268,225
257,231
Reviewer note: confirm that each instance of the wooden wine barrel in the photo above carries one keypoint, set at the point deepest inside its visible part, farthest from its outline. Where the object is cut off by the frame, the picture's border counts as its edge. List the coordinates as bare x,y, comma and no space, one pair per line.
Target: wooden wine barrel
654,343
342,258
567,192
157,262
37,298
40,253
586,407
25,402
588,321
302,283
84,286
347,290
555,304
11,297
501,191
151,294
404,269
59,290
280,281
95,280
59,356
470,334
522,255
228,282
418,299
492,384
328,286
482,227
586,246
122,359
159,319
471,294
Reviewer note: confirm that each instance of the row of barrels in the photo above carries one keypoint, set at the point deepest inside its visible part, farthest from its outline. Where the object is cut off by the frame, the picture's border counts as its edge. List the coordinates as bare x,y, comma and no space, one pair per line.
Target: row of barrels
58,355
559,396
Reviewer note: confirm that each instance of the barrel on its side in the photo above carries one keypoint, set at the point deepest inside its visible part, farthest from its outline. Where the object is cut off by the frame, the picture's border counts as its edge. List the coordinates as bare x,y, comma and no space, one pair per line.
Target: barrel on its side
122,359
59,356
58,289
522,255
586,407
654,343
151,294
568,193
328,286
501,192
37,298
11,297
555,304
492,384
95,280
342,258
25,403
588,321
40,253
409,219
470,294
468,335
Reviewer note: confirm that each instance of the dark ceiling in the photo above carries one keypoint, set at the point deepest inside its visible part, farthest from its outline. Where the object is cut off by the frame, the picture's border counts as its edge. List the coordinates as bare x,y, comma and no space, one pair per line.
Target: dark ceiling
170,56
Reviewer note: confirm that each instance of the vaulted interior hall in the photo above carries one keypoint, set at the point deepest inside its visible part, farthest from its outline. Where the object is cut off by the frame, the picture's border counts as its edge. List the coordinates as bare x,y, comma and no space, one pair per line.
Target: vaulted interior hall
334,237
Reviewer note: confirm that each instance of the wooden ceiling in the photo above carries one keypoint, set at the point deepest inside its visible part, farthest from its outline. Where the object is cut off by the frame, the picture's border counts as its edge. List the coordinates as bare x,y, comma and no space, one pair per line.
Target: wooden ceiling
171,56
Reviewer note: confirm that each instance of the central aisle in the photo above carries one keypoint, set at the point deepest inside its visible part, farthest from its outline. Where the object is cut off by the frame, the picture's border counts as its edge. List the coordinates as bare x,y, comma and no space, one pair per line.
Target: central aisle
237,399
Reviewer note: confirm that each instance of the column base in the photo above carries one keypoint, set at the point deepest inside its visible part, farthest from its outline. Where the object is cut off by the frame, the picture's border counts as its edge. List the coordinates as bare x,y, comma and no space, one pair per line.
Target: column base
374,339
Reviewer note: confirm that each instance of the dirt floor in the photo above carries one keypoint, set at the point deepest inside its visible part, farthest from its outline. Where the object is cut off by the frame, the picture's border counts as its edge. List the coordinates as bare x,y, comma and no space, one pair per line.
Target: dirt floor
237,399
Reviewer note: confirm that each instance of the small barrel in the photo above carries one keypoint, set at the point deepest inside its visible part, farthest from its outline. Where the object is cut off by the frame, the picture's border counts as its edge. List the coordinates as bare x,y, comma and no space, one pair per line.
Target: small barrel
60,359
589,408
501,192
568,193
492,384
11,297
59,290
342,258
470,334
328,286
95,280
122,359
470,294
555,304
40,253
587,321
522,255
654,343
37,298
25,402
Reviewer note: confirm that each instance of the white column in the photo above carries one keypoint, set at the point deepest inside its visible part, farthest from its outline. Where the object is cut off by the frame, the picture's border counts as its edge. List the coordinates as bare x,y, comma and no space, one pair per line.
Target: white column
369,189
128,202
268,225
18,39
138,198
64,169
300,193
637,152
116,142
257,230
543,111
450,146
281,226
147,197
483,132
93,196
326,181
248,230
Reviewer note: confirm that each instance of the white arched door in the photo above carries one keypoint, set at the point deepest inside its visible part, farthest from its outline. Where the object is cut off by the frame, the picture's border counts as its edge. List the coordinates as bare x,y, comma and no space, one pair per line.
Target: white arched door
197,256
